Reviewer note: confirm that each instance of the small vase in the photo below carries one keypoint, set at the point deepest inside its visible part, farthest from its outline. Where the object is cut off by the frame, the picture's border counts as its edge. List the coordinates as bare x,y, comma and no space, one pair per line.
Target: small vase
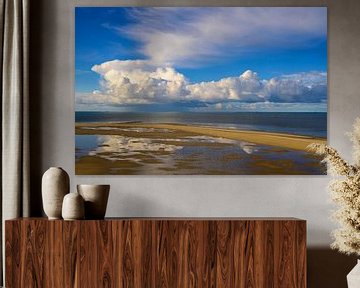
96,198
353,278
73,207
55,185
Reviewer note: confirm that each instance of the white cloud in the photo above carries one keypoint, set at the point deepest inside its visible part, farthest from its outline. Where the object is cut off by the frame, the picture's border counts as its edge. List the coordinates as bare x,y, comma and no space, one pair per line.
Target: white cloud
302,87
136,82
139,82
188,36
247,87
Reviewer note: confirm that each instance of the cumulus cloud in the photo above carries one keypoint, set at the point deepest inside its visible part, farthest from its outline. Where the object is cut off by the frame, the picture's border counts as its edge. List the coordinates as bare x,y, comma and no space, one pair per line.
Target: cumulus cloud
308,87
188,36
247,88
135,82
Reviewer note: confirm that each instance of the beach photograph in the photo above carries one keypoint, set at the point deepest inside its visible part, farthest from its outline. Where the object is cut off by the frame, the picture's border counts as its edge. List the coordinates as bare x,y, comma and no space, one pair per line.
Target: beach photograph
200,91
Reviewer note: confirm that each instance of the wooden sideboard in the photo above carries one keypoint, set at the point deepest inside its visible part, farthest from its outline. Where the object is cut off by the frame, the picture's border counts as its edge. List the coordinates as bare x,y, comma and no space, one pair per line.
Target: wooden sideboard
156,252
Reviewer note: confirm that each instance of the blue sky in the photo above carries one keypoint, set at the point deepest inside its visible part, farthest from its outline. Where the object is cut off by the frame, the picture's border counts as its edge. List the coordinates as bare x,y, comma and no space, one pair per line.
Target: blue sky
126,57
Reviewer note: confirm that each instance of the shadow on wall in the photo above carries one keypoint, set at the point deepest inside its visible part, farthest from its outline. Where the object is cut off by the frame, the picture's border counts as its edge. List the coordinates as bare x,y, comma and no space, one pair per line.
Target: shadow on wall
35,93
328,268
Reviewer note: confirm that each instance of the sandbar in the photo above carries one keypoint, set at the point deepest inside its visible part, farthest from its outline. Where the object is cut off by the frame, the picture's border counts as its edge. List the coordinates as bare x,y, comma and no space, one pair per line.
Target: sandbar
290,141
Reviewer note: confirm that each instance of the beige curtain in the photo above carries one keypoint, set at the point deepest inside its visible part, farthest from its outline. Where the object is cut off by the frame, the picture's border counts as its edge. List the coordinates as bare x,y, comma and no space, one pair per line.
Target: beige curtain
14,27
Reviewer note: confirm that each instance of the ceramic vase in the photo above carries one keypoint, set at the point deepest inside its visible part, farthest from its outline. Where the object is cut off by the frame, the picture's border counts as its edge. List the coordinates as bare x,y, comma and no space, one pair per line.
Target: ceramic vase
73,207
96,198
55,185
353,278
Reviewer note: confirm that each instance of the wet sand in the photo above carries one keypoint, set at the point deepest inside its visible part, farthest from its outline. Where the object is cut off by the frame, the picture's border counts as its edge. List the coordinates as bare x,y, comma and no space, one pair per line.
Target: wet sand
178,149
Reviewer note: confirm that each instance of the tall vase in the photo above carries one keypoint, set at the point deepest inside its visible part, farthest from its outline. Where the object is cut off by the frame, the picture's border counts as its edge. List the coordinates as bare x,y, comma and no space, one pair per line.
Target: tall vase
55,185
353,278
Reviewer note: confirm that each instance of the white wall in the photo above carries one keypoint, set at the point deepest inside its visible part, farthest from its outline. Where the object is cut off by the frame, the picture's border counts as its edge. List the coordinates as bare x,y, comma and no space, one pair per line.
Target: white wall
52,93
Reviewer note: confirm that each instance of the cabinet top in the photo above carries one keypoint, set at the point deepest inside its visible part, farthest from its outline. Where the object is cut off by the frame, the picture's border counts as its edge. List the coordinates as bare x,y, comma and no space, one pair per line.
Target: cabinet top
173,219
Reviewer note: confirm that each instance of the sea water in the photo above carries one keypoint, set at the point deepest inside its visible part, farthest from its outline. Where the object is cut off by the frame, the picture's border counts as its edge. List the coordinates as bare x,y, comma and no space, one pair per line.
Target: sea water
301,123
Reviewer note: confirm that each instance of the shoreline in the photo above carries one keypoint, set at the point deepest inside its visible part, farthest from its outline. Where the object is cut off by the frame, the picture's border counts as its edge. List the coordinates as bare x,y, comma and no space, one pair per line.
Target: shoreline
284,140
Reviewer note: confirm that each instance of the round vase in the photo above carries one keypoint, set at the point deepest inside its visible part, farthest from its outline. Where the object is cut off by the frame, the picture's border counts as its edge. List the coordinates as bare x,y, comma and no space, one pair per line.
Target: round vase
73,207
96,198
55,185
353,278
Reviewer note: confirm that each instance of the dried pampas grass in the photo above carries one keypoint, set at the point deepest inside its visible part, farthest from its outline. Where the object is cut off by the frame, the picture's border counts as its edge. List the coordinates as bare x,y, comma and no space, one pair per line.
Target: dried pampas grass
345,191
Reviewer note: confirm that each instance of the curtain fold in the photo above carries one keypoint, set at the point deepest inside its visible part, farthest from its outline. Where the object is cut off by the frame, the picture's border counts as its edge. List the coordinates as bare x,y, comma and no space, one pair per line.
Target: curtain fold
14,30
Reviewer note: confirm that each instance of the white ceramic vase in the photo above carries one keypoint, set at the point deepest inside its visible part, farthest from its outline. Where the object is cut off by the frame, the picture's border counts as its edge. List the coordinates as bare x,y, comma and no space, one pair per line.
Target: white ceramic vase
73,207
353,278
96,198
55,185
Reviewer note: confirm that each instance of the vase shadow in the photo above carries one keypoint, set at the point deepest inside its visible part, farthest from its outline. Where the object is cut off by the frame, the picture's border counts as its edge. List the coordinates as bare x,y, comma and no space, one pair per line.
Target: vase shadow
328,268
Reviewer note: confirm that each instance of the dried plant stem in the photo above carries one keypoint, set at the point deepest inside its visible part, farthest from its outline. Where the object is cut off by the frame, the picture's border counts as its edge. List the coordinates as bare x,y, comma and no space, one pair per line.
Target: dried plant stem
345,192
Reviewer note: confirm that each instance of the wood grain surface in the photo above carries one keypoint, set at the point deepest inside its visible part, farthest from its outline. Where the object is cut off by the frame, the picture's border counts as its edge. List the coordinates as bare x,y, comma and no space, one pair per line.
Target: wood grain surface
160,252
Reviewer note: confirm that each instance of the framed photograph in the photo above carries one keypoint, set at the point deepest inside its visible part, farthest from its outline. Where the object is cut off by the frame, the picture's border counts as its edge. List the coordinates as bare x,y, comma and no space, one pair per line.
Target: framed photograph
200,90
